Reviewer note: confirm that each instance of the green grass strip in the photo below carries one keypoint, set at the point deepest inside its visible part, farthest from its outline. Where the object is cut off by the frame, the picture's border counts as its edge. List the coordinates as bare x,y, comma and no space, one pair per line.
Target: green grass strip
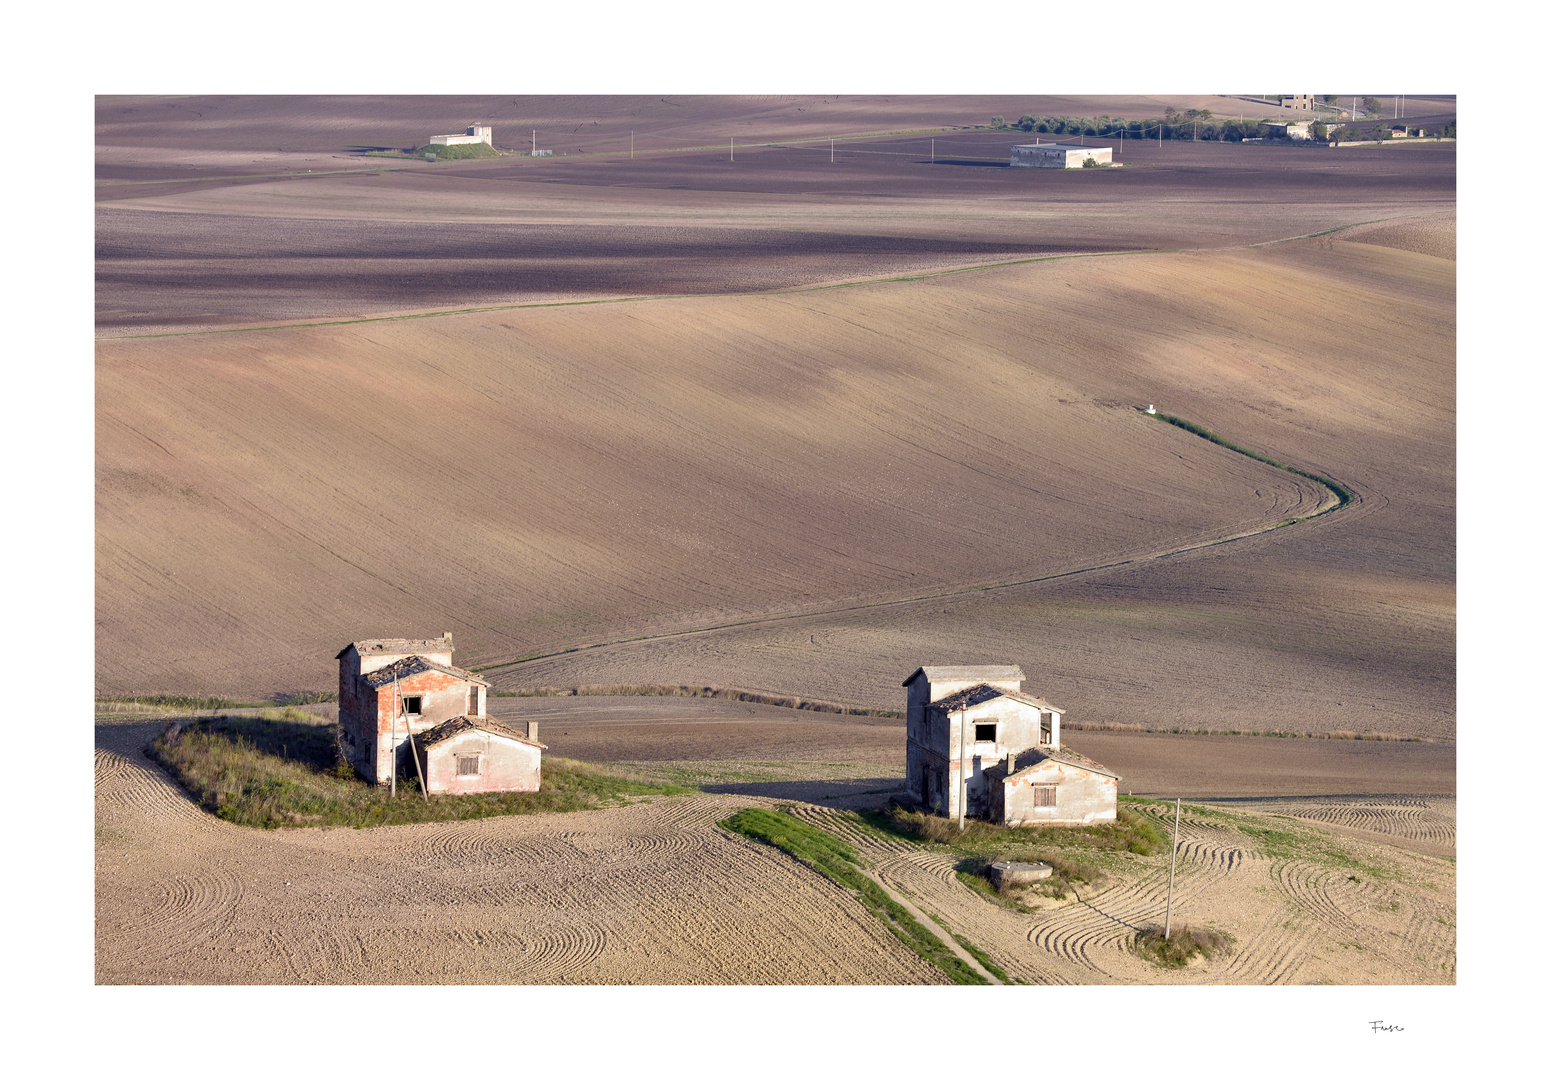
839,862
1340,491
288,771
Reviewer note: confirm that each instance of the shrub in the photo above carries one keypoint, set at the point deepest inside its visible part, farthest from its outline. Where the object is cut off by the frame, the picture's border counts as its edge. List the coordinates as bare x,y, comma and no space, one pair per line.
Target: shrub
1183,945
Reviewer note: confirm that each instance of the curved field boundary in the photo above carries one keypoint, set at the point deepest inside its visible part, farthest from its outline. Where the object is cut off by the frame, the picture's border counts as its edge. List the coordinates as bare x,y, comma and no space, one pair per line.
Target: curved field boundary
1342,493
1344,496
895,279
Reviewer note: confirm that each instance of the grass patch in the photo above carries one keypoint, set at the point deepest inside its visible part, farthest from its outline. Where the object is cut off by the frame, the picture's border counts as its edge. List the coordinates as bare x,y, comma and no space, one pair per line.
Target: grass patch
1341,492
286,771
1129,831
1183,945
1065,875
184,702
460,152
838,861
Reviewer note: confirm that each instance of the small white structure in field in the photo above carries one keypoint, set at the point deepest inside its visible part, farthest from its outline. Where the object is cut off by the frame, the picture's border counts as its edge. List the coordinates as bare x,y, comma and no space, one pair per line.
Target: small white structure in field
1151,411
1059,156
475,134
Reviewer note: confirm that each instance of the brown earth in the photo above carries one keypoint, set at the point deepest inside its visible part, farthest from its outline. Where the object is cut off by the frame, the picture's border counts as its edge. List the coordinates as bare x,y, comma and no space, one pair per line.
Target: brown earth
555,477
655,893
183,256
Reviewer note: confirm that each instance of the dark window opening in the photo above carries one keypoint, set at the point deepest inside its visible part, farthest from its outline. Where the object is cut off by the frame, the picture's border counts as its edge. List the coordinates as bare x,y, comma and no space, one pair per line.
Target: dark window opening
1044,794
412,706
468,765
985,732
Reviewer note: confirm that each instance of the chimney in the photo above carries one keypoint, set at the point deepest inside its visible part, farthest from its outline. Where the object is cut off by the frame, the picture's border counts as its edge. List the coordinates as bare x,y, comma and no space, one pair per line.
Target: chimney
533,730
447,636
1012,762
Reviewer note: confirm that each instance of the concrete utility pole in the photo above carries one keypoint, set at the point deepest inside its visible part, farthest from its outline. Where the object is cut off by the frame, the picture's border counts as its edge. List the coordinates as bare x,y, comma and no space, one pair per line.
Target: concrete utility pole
963,783
832,151
729,149
632,146
393,741
535,141
934,151
1168,910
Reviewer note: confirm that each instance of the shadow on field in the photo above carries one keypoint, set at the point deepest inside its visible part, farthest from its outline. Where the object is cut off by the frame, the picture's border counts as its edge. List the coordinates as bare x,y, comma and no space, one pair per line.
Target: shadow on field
971,163
815,791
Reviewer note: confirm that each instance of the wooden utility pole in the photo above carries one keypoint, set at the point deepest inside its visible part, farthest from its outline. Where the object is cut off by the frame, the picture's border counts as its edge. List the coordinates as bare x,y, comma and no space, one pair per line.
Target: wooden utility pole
424,794
1168,910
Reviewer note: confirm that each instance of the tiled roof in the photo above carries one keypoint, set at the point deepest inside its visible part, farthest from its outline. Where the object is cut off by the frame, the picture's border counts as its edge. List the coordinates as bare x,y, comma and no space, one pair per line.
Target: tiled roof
413,665
974,695
1061,757
459,724
967,672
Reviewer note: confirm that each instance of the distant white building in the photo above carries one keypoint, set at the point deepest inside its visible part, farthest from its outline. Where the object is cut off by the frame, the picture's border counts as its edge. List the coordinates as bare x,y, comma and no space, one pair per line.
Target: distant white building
474,134
1059,155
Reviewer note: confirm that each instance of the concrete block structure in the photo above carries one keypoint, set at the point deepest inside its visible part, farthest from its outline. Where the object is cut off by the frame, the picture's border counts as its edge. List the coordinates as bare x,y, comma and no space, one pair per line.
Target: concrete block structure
475,134
971,729
466,754
1302,130
390,688
1299,101
1059,155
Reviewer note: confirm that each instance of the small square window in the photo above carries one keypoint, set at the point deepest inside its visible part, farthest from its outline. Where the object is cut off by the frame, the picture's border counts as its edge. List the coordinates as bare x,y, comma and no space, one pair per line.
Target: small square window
1044,794
468,764
412,706
985,732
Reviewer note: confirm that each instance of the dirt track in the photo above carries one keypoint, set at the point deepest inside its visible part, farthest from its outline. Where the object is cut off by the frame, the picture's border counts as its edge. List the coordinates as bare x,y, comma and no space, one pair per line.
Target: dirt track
652,893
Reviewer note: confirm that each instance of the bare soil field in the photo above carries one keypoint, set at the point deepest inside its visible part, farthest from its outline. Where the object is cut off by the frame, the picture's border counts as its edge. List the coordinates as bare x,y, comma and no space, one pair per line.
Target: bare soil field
218,253
656,893
551,478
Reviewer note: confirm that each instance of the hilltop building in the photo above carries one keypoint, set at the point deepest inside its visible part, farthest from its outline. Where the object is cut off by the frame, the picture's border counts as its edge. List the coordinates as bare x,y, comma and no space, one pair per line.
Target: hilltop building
392,688
1059,155
1298,101
474,134
973,726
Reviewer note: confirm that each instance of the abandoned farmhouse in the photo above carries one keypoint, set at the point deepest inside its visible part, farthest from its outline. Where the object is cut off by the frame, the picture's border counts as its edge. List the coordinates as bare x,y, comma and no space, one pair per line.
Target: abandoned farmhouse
399,696
973,730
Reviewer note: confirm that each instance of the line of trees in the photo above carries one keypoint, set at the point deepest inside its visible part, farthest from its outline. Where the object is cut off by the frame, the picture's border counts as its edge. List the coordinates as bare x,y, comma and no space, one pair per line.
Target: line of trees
1192,124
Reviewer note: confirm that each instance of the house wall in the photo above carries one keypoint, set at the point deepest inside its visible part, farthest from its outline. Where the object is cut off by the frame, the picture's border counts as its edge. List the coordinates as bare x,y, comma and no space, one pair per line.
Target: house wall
1082,797
377,739
505,764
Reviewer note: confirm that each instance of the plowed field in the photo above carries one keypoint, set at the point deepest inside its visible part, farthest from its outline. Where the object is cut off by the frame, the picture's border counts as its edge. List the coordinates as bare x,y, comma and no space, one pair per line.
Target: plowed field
656,893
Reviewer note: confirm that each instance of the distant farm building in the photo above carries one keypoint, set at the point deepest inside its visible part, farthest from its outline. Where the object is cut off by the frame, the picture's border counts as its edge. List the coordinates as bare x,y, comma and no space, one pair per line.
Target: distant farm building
1399,131
1059,155
1302,130
1298,101
474,134
392,688
973,727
